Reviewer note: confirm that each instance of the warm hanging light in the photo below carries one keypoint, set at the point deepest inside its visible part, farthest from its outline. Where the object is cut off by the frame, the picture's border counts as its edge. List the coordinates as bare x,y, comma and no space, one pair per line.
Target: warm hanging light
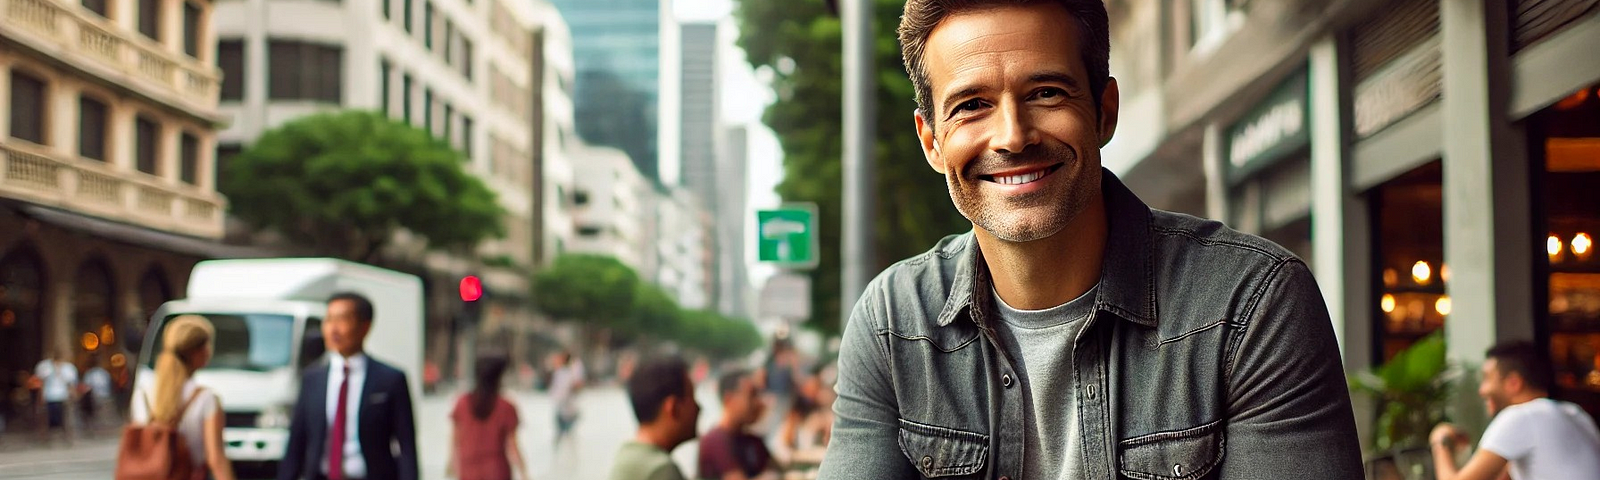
1387,303
91,342
1444,273
1422,273
1581,243
1390,277
1442,305
1552,245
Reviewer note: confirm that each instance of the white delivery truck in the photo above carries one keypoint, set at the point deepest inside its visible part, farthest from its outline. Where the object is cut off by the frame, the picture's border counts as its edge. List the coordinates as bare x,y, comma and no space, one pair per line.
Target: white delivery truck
268,318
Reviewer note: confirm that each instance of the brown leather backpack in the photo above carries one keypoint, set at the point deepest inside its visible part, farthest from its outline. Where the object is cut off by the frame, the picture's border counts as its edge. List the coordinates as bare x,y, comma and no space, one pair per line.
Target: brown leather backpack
156,451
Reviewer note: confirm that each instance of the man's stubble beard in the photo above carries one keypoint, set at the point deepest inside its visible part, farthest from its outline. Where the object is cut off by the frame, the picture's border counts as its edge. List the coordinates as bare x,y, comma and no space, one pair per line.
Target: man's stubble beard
1009,218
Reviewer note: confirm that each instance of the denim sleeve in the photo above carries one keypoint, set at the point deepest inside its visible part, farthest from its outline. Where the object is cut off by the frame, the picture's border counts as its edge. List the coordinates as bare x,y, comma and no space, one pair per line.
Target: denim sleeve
865,439
1288,404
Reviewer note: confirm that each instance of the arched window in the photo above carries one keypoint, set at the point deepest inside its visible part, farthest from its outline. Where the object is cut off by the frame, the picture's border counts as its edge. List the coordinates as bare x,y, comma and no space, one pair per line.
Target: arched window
93,309
22,294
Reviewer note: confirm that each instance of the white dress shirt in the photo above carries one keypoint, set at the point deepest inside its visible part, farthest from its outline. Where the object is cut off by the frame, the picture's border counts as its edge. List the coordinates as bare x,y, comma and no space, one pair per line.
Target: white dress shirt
355,466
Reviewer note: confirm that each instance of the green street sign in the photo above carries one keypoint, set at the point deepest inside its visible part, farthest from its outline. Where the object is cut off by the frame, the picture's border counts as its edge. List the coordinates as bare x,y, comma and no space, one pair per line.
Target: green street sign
787,236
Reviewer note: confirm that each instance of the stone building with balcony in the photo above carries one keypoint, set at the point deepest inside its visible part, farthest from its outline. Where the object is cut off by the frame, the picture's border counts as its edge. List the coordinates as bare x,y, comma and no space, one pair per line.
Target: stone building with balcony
108,118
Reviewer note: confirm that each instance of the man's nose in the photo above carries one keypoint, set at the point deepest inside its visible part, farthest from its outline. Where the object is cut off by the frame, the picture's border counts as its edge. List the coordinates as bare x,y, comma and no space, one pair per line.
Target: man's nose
1015,131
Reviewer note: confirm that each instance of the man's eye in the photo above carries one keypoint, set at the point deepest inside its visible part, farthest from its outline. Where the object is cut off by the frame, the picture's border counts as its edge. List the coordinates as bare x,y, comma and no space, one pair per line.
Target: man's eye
1051,93
969,105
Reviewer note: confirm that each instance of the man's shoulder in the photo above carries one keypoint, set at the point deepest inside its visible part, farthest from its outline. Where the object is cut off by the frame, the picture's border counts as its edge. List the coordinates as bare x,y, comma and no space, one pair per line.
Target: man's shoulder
1178,234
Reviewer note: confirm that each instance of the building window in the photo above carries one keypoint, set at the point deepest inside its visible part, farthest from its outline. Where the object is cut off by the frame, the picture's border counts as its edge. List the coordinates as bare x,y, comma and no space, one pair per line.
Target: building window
449,42
427,26
427,110
191,29
406,5
388,10
466,137
96,6
1568,133
405,97
1211,21
94,308
230,58
305,71
150,18
225,154
466,58
383,80
91,128
190,169
449,117
144,144
27,107
1409,254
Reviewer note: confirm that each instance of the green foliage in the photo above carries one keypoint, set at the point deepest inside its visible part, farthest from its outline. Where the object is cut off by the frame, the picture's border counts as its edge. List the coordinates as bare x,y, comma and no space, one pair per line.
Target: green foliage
1412,390
603,293
344,182
595,289
914,208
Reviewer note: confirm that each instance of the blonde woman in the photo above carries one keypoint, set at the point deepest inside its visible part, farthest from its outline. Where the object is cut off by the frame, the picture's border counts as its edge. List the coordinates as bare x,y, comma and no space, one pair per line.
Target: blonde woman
186,347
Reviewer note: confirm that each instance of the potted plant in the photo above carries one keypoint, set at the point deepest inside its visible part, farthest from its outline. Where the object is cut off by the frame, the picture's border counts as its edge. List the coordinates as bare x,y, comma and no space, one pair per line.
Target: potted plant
1410,393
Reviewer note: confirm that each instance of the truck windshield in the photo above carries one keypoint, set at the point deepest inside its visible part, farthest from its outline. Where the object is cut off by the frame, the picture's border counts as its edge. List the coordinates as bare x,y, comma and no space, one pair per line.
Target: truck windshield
248,341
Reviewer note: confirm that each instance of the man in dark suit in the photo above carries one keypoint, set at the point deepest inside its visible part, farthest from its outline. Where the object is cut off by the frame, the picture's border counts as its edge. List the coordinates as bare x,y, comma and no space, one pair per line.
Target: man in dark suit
353,420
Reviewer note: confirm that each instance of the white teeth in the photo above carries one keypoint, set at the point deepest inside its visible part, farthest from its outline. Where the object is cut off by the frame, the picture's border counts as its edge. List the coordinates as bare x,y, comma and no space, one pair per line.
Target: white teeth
1020,179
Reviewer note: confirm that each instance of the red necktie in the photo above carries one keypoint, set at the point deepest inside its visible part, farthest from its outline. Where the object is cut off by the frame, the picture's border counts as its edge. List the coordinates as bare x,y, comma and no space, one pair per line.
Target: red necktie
336,438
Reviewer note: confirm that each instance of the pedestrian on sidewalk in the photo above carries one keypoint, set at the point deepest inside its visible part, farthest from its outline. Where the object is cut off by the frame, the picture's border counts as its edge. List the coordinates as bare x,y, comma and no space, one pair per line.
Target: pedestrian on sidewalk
729,451
175,398
566,380
662,395
1532,437
483,444
96,403
354,418
58,379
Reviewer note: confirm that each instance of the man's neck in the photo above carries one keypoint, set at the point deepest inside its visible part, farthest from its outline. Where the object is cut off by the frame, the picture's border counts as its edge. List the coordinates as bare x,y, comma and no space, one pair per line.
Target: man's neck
1050,271
654,436
730,425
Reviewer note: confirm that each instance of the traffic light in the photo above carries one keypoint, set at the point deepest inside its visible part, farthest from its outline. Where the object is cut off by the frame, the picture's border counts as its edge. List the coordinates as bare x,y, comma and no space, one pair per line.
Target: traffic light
471,296
471,289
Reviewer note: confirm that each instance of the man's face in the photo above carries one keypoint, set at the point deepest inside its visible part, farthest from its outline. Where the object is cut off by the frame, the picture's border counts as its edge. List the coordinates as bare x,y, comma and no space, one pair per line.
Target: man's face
687,415
1492,387
342,332
1013,125
744,404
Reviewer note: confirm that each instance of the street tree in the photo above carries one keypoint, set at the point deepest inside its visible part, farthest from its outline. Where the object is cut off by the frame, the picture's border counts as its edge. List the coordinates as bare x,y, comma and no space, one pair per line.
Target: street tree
799,44
343,183
597,290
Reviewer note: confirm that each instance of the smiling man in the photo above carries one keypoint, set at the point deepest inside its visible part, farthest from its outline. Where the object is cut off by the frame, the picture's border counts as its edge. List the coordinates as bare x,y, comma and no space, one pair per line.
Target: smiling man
1075,332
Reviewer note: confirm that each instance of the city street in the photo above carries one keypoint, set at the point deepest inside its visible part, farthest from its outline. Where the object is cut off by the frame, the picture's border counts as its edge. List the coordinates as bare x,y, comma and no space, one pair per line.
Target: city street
607,421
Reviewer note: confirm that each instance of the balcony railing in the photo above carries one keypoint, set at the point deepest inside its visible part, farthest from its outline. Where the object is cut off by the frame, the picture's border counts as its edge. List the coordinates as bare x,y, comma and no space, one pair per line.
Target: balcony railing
37,174
87,37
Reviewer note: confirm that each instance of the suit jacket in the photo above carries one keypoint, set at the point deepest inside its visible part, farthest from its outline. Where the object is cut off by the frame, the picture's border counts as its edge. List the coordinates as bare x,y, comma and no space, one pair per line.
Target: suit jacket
386,418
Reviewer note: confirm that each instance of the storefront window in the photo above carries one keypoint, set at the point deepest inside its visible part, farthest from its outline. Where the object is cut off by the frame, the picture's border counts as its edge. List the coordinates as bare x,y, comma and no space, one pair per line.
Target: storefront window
21,298
1409,251
93,311
1571,223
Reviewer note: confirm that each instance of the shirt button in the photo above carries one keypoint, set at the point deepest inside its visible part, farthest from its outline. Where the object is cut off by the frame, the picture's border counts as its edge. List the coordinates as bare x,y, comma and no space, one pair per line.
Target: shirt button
1005,380
1091,392
927,462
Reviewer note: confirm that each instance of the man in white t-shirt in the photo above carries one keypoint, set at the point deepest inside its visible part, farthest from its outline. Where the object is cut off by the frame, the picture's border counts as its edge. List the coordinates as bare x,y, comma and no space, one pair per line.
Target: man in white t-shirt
58,378
1532,437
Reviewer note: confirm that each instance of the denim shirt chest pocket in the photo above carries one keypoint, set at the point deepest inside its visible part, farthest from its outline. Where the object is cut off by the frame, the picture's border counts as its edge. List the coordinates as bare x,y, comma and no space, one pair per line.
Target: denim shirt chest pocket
939,452
1180,455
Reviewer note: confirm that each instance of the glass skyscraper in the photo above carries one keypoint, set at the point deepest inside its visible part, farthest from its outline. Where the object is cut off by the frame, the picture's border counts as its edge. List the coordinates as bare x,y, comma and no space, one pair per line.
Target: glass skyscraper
617,48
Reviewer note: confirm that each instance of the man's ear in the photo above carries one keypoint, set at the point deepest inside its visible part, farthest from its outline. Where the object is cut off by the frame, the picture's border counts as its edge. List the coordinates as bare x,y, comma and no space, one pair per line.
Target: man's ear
1514,382
930,145
1110,102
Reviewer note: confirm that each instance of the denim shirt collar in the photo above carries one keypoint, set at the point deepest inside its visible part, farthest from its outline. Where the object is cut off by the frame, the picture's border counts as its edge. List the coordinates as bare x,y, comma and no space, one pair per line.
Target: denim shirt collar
1127,277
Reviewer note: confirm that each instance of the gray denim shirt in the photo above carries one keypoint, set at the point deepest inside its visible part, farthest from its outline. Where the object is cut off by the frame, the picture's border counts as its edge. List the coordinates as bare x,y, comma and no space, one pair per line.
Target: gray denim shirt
1209,354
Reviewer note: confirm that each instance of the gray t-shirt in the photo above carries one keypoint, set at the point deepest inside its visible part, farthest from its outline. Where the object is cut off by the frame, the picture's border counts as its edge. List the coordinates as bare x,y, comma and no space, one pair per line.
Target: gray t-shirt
1041,342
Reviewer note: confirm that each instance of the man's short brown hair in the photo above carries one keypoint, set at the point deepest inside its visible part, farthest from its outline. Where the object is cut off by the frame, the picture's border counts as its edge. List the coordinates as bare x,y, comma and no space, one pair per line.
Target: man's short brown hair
920,16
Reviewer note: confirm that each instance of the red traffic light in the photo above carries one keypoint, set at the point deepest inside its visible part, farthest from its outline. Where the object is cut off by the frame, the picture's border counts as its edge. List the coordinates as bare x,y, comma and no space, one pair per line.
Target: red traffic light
471,289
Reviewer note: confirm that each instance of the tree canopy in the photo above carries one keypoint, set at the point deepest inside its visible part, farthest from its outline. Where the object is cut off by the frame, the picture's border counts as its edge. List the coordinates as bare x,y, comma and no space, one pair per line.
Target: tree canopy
344,182
800,42
603,293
